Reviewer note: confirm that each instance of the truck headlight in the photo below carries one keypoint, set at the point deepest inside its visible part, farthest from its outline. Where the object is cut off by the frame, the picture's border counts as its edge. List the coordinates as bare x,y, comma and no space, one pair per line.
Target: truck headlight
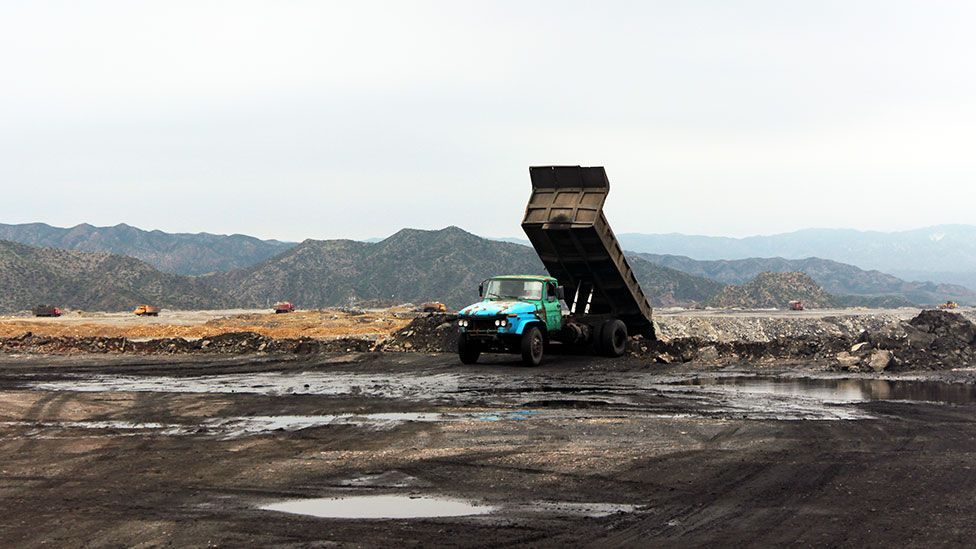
503,323
463,323
498,323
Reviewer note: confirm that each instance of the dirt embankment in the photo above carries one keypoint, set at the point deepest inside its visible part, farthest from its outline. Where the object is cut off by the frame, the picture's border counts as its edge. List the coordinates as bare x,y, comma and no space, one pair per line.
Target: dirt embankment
932,340
325,323
331,330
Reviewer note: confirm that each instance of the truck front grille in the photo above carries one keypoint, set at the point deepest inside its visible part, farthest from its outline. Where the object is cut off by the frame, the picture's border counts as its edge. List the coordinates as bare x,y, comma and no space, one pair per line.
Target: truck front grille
483,324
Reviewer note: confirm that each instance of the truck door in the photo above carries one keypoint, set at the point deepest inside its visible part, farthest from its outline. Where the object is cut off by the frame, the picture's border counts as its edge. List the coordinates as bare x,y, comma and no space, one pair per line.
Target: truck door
554,317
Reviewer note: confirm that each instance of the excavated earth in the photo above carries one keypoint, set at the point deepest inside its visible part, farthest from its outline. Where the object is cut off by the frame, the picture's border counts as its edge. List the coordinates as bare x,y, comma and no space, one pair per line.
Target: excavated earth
775,436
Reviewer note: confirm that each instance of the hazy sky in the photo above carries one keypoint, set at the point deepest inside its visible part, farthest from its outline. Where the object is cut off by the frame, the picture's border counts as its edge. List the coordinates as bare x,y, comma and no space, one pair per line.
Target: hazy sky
293,120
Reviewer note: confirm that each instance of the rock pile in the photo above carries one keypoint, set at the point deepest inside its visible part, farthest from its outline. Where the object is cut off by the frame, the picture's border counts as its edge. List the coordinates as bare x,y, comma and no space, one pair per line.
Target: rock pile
694,349
431,333
230,343
933,340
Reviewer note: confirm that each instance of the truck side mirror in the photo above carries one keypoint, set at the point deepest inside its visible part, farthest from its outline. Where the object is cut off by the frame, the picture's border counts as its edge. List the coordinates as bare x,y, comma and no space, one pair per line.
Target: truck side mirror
561,292
481,290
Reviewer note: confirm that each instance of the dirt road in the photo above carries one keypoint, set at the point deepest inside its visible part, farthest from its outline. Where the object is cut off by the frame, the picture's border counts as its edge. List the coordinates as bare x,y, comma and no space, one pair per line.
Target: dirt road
141,450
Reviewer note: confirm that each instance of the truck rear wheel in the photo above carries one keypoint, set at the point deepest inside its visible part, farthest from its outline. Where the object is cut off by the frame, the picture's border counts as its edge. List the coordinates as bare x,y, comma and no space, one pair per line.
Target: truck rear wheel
532,346
613,338
468,351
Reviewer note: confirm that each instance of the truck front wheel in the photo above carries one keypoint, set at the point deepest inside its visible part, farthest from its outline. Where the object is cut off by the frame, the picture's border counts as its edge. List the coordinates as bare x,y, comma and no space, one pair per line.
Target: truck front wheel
468,350
613,338
532,346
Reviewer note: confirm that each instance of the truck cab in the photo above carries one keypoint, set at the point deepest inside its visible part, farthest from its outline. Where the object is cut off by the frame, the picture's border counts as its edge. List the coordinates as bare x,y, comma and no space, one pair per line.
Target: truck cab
517,313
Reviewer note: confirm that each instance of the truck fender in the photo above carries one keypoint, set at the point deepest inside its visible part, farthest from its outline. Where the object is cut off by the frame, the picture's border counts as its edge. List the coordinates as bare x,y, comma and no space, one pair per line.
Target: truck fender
536,322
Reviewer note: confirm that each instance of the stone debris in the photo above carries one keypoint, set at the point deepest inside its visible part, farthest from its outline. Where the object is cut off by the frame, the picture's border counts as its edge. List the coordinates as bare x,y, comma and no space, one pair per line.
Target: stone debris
695,349
880,360
430,333
933,340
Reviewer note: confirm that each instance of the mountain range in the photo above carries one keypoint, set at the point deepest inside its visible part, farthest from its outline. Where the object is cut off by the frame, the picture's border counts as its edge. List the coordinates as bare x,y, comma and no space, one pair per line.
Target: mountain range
414,266
839,279
945,253
179,253
409,266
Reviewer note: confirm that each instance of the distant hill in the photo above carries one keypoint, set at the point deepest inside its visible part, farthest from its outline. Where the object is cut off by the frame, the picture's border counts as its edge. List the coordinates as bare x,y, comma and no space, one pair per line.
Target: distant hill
667,287
945,253
835,277
410,266
190,254
31,276
415,265
774,290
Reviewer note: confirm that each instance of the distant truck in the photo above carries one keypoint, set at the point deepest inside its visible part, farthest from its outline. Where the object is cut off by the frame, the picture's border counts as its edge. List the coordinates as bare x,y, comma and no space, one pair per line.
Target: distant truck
146,310
796,305
47,310
948,305
283,307
523,314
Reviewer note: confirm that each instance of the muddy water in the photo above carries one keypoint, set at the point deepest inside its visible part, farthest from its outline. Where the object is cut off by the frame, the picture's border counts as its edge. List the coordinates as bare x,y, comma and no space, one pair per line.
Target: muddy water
243,426
507,397
417,506
843,389
274,383
380,507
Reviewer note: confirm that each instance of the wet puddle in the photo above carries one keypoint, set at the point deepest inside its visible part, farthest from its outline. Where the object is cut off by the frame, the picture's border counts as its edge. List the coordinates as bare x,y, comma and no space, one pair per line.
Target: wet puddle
842,389
380,507
235,427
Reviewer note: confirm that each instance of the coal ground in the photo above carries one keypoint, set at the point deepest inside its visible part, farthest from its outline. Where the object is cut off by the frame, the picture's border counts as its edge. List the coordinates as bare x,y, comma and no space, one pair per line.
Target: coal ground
125,449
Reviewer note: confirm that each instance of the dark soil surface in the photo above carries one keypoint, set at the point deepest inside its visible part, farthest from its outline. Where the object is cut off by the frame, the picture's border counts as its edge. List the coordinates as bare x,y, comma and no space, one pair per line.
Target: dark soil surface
183,450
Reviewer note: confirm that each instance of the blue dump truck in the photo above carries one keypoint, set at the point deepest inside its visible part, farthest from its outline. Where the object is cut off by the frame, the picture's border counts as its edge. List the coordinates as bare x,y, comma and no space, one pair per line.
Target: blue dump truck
591,300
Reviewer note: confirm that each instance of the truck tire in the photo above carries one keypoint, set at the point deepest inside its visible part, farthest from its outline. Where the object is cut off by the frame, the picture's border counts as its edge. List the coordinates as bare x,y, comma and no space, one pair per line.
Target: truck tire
532,346
613,338
468,351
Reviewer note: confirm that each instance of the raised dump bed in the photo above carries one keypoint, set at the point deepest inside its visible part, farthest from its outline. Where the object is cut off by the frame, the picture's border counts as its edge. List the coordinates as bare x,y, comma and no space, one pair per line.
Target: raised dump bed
565,223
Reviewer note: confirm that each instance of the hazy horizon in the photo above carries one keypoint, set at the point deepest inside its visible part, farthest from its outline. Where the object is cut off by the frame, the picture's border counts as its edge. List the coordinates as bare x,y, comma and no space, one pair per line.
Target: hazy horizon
498,237
336,120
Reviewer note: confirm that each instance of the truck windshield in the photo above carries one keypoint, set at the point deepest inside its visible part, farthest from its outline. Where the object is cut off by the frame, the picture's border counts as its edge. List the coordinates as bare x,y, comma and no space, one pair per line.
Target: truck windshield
502,288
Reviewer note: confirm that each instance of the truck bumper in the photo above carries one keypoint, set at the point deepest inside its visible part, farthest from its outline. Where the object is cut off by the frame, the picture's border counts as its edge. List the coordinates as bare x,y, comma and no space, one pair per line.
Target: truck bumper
494,341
